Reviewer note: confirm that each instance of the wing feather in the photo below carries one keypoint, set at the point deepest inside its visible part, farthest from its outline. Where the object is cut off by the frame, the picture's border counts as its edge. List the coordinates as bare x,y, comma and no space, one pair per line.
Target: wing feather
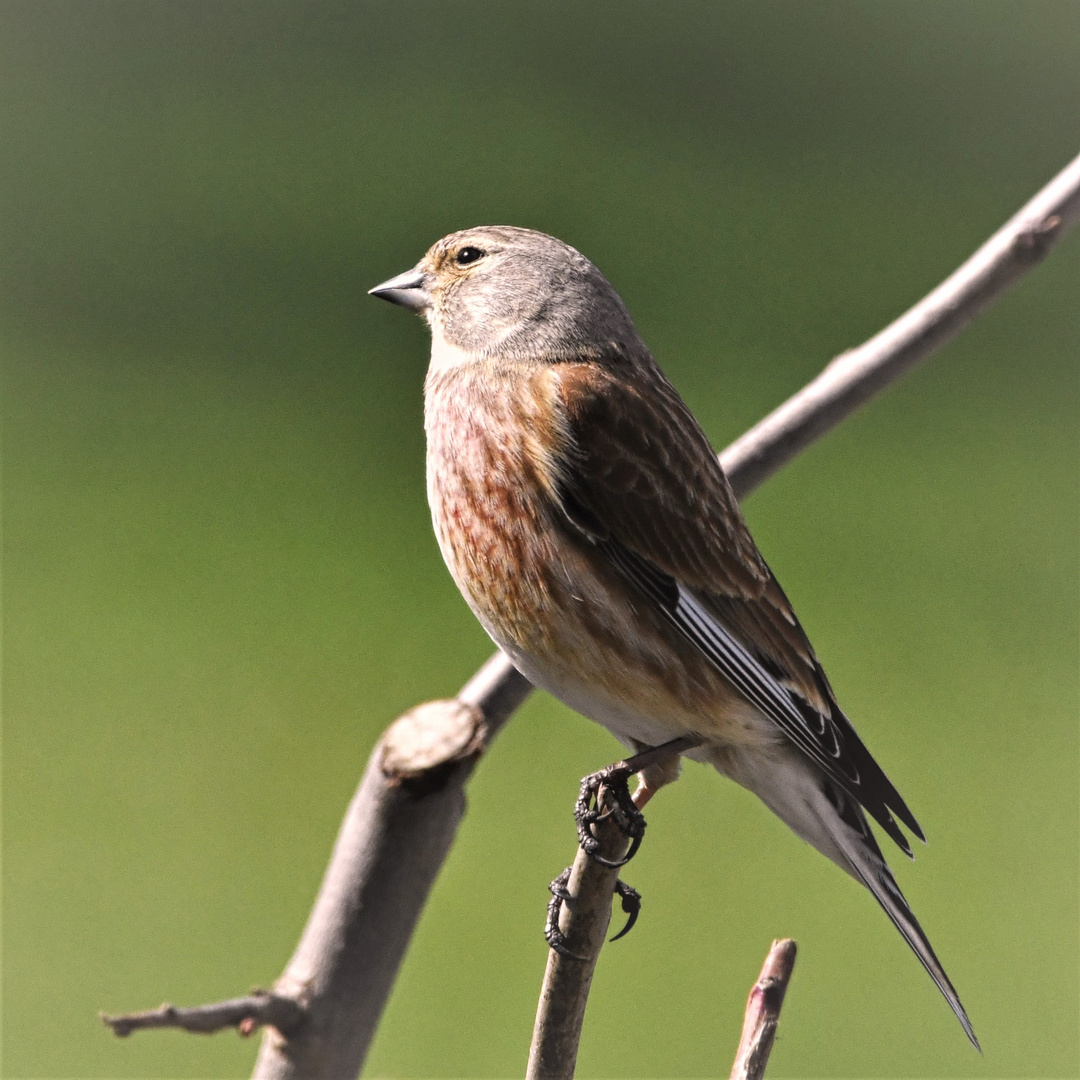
642,482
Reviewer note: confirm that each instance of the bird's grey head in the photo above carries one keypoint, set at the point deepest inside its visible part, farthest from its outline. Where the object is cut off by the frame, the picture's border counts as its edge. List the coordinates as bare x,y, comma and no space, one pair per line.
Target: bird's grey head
501,291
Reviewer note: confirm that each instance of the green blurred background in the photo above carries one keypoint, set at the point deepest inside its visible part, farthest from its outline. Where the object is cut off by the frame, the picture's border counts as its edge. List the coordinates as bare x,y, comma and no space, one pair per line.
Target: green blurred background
221,581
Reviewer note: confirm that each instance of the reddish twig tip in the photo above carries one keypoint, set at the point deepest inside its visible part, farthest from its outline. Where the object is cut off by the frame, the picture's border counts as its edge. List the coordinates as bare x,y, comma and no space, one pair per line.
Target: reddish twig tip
763,1012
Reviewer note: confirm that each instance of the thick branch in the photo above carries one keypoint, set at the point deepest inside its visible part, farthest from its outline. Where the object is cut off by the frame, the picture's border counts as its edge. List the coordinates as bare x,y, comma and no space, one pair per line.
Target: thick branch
392,843
763,1012
395,837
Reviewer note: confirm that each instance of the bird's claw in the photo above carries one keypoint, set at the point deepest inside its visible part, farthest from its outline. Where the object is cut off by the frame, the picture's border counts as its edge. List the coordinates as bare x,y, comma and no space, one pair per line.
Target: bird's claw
631,904
558,887
608,786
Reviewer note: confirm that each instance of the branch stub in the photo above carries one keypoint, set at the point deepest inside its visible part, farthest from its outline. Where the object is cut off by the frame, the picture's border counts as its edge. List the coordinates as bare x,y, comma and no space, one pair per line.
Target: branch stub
430,737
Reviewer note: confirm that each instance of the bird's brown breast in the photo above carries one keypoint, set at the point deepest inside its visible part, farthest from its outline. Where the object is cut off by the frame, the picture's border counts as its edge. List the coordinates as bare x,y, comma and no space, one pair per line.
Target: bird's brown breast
492,443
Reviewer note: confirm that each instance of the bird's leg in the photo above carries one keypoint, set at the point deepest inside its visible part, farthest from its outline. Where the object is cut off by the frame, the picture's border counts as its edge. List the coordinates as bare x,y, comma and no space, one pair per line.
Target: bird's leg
655,776
610,787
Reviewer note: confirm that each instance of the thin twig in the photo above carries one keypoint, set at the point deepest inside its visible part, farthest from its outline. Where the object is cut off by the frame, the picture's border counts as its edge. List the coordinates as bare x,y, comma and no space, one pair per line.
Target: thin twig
858,375
400,825
763,1012
583,921
246,1014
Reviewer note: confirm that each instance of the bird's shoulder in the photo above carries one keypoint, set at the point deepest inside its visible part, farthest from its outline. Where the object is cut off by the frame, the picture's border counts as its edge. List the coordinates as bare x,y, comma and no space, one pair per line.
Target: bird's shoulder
639,460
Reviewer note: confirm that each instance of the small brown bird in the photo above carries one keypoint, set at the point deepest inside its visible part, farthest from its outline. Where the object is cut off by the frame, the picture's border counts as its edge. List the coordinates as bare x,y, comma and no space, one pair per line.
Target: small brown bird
588,524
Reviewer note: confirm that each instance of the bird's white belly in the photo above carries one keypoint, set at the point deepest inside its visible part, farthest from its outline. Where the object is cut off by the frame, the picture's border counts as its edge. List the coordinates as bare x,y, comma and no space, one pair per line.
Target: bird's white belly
627,725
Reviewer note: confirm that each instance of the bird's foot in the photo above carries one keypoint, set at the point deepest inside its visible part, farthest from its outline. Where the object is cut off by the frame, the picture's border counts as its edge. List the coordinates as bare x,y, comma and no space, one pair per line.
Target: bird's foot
631,905
552,934
606,794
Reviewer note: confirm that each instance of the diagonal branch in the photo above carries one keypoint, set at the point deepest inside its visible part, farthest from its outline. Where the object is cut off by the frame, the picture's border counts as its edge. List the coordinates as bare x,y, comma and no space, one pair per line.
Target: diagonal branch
860,374
395,837
403,818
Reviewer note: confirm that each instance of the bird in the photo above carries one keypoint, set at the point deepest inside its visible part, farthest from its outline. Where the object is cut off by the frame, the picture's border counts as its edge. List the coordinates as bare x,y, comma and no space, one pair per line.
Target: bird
588,523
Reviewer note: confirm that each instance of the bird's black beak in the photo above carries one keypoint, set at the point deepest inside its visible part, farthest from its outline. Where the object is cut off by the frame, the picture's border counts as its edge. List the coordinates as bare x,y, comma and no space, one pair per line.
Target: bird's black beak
408,289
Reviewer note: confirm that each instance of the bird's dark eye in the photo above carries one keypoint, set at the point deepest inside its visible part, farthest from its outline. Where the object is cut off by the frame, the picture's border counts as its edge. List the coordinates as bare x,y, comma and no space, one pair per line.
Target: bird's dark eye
468,255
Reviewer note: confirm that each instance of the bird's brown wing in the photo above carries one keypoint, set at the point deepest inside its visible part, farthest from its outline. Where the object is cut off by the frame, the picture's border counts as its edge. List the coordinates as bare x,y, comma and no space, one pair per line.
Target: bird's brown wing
639,478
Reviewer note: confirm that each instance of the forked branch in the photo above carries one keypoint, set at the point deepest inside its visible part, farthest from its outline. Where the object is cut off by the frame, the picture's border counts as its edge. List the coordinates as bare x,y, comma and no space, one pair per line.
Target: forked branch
401,822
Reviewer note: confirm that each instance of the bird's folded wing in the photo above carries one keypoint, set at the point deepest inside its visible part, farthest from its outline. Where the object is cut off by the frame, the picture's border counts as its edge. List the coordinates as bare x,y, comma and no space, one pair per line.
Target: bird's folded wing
639,477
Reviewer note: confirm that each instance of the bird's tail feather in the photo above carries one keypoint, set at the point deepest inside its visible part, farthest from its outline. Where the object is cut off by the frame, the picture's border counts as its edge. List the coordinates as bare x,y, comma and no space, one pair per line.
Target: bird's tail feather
870,868
830,820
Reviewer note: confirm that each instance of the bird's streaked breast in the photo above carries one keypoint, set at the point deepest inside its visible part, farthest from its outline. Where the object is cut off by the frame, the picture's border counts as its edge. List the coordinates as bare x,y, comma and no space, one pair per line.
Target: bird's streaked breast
543,592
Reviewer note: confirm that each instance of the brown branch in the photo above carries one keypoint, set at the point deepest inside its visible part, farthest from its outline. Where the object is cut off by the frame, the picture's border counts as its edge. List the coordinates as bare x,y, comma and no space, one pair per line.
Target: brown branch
763,1012
401,822
391,845
246,1014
